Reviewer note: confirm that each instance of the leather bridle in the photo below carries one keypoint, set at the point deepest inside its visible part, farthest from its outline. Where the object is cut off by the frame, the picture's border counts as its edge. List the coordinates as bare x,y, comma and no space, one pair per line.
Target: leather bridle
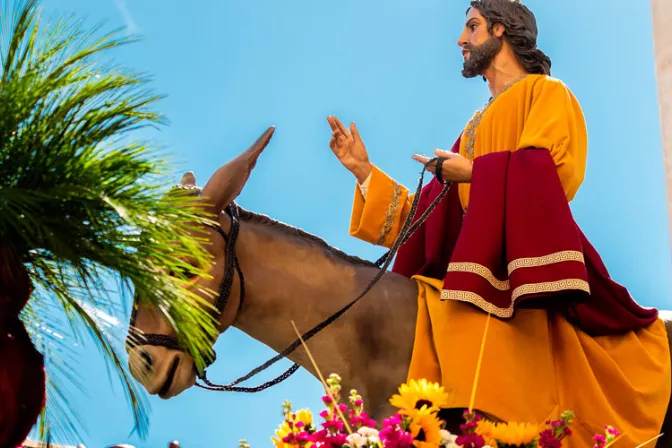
136,338
231,267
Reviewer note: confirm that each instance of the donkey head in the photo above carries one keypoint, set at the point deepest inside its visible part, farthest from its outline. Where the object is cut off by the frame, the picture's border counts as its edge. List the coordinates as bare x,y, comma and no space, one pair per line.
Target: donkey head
168,371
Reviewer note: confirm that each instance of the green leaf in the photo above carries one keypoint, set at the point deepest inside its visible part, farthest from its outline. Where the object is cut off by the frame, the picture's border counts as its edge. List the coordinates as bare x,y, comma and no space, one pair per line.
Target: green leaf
84,201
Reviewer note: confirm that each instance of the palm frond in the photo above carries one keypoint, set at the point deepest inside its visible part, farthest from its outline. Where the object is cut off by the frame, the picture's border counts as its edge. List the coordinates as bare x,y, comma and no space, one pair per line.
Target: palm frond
57,421
82,200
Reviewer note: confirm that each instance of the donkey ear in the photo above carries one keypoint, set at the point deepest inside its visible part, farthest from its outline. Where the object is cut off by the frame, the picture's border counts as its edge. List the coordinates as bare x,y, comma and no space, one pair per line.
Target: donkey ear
228,181
252,153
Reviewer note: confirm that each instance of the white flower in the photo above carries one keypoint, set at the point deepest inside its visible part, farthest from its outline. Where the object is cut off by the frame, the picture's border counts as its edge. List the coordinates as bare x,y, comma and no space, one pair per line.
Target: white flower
364,437
374,440
448,439
356,440
368,432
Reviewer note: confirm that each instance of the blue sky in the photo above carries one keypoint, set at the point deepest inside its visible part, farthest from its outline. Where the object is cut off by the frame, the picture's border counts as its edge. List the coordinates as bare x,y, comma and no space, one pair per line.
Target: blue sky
231,68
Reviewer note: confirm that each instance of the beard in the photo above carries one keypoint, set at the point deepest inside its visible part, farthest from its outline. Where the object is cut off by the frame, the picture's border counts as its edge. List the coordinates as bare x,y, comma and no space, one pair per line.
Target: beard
480,57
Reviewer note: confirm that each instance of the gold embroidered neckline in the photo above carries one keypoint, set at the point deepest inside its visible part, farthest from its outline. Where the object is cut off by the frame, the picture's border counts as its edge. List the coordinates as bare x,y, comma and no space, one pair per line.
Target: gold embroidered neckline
470,132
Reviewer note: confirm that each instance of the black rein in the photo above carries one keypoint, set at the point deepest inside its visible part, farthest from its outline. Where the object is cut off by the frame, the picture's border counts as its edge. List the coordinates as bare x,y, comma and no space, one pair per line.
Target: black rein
232,266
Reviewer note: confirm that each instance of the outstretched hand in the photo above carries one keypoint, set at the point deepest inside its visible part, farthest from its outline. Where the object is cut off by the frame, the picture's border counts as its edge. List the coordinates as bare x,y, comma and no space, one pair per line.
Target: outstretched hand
455,168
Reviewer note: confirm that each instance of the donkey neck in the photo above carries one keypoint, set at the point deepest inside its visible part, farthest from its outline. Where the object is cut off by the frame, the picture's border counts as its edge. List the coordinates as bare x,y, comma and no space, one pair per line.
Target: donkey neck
288,277
293,276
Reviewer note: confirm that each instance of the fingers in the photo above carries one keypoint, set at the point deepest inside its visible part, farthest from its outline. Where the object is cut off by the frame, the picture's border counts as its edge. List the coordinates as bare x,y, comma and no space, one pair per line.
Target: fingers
438,153
354,131
336,125
332,123
339,133
337,142
338,138
422,159
444,154
340,126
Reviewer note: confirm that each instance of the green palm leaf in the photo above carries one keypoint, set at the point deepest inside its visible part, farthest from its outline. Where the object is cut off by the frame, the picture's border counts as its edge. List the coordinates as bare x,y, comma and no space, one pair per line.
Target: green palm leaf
83,204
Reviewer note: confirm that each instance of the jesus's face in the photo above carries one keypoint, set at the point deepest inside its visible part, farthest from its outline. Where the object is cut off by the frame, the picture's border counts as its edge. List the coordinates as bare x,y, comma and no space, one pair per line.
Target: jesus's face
479,45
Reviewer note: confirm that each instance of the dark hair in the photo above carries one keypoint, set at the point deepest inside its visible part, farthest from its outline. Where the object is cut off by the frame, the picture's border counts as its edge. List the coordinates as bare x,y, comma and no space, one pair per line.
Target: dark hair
520,30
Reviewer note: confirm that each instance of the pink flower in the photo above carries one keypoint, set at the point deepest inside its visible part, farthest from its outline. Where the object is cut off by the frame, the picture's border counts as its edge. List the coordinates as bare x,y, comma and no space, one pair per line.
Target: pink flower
469,426
556,430
599,440
612,431
327,440
297,438
303,437
335,425
395,438
327,400
610,434
470,441
548,440
471,416
363,419
395,420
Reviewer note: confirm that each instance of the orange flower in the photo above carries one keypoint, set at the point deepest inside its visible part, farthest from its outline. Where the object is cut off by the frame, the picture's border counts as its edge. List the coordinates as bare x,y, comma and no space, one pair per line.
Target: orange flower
416,394
515,434
303,416
425,428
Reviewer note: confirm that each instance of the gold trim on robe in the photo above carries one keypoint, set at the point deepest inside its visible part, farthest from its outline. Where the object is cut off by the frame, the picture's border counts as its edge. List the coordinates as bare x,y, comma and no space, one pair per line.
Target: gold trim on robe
390,214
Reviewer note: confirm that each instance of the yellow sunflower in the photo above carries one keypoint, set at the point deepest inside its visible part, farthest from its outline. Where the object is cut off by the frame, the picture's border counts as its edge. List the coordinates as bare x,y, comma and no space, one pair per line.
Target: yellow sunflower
425,429
304,416
514,434
416,394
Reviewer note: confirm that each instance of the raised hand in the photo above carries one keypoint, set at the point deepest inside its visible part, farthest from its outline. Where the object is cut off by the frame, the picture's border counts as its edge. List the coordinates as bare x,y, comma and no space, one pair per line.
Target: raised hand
350,149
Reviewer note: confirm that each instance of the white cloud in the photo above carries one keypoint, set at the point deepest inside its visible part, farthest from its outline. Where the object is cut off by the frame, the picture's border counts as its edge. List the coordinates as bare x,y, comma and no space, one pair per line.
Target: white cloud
127,16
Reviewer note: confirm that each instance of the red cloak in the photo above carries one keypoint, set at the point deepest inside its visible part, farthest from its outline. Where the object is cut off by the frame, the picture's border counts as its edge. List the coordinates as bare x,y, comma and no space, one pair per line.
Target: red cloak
518,246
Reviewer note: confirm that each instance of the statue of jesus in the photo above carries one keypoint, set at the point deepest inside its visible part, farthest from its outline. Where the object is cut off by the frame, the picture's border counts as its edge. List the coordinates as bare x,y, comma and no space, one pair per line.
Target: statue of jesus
503,242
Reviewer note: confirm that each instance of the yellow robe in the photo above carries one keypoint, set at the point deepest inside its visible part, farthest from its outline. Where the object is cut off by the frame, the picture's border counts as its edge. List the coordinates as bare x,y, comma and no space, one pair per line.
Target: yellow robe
537,364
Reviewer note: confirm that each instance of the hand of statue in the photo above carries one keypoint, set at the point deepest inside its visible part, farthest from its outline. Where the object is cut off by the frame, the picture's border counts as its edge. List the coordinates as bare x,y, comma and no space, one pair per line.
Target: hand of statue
455,168
350,149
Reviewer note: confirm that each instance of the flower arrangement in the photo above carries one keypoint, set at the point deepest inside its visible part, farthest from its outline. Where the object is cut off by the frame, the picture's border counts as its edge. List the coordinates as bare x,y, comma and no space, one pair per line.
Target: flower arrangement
416,424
